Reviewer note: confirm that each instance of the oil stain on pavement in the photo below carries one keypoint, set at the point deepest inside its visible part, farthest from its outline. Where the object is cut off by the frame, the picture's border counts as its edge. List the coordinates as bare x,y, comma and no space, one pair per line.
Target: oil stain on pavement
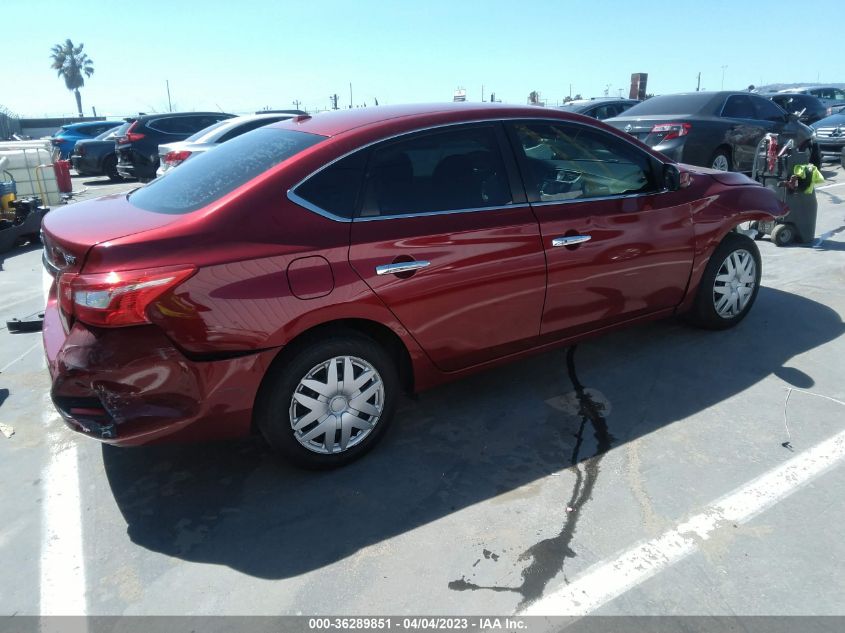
548,556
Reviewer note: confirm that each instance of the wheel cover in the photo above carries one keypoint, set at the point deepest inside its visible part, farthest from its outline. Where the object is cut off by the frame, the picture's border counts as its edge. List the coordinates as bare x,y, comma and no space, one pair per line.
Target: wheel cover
734,284
720,162
336,405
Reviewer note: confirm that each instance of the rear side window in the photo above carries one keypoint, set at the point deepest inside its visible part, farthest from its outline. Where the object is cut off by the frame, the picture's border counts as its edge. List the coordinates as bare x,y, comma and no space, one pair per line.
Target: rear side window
454,170
211,175
335,189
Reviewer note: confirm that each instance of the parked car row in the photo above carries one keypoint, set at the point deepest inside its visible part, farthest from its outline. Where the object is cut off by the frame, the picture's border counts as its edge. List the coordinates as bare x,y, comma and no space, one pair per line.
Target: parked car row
149,145
415,245
720,130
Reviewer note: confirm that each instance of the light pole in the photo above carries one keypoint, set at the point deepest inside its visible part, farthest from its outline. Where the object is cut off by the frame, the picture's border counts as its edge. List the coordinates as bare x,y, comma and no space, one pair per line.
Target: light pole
723,76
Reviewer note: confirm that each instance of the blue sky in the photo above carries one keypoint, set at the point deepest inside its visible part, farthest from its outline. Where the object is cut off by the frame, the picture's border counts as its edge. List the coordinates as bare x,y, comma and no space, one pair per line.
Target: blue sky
243,55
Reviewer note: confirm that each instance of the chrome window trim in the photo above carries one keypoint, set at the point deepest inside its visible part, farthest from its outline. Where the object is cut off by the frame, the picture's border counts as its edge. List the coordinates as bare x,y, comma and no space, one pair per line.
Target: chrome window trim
302,202
423,214
599,198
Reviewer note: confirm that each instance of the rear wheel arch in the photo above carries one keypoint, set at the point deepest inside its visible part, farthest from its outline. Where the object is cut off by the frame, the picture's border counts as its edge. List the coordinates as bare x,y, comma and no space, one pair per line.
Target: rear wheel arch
385,337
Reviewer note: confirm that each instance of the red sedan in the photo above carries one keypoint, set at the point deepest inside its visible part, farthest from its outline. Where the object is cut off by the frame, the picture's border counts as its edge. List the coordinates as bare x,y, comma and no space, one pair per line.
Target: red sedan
295,279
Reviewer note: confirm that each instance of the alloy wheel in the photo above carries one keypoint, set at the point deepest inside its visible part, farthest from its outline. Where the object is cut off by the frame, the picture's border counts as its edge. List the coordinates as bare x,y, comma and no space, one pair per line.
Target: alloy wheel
720,162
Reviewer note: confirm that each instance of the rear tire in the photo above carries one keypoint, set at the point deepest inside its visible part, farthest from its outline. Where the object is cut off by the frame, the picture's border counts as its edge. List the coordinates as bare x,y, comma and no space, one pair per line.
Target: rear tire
329,402
729,285
110,169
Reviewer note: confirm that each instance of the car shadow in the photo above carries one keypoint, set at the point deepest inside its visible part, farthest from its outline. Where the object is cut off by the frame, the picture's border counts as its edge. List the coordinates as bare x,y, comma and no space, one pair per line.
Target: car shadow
461,444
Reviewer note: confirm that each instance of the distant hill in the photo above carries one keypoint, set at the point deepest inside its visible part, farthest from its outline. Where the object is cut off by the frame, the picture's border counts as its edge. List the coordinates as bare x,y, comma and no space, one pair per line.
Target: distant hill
776,87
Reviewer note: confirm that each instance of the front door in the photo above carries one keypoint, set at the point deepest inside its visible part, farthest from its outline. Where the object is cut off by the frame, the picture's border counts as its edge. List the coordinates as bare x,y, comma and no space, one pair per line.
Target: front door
617,246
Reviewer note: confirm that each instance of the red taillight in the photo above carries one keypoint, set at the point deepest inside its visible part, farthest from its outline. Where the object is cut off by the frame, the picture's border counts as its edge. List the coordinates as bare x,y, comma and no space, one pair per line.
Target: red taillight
174,158
130,136
117,299
56,141
671,130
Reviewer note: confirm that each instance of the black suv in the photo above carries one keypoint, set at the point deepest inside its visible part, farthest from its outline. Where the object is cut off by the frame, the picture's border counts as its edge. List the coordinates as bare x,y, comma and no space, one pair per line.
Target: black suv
137,147
811,108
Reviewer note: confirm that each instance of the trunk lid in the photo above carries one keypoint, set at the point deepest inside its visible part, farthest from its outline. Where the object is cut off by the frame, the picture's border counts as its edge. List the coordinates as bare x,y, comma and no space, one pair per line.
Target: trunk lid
70,232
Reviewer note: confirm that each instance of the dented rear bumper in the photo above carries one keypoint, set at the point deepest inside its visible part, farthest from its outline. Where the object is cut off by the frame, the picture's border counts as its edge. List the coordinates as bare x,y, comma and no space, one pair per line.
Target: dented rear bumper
131,386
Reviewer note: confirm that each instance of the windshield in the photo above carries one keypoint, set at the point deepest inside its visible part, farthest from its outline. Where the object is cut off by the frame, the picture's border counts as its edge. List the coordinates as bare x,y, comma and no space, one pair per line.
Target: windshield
215,173
107,134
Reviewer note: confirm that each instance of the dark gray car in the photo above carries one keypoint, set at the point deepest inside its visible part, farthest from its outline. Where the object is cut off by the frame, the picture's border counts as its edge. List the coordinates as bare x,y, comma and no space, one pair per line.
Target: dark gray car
712,129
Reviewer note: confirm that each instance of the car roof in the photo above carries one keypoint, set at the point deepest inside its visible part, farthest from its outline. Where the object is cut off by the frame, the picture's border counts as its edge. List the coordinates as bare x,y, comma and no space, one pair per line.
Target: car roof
84,124
336,122
163,115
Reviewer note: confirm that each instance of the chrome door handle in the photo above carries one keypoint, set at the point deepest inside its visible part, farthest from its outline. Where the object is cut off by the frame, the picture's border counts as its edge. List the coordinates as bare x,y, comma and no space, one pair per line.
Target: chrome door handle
571,240
400,267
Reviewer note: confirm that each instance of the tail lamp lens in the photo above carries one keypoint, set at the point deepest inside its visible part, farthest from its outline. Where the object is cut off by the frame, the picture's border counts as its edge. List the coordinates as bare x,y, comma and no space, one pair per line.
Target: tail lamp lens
130,135
174,158
117,299
671,130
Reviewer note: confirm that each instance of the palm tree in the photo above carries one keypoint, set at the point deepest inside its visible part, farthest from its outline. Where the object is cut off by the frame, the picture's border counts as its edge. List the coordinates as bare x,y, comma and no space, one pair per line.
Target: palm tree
71,63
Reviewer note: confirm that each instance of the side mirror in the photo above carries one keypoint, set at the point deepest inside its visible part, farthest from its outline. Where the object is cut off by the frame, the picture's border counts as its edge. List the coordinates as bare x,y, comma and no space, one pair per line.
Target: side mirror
674,178
671,177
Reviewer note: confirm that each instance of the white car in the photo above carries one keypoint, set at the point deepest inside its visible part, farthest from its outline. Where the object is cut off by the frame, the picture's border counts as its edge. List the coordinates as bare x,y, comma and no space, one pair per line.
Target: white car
174,154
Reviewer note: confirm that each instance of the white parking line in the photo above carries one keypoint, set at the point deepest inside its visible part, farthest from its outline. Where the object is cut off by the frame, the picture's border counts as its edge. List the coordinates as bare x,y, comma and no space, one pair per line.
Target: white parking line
838,184
21,357
62,563
611,578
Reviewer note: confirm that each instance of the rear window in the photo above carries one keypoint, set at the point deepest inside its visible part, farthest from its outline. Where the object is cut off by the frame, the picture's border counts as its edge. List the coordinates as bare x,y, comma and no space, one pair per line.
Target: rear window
208,131
211,175
672,104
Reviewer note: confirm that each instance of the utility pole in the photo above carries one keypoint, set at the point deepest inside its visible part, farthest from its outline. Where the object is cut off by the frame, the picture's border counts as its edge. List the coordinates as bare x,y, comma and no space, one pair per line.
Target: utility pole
333,98
169,105
350,94
698,87
482,93
570,92
296,103
723,76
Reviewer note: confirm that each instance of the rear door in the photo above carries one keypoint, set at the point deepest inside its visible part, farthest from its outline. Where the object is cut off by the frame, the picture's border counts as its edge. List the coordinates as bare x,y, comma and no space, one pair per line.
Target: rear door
617,246
445,238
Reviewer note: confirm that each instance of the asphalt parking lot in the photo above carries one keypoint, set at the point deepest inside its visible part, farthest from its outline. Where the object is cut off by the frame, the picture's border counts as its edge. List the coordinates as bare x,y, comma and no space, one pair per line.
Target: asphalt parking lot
657,471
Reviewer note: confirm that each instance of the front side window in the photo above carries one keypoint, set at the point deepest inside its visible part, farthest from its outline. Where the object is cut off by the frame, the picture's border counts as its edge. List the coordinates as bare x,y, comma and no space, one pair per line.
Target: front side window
451,170
739,107
767,111
211,175
569,162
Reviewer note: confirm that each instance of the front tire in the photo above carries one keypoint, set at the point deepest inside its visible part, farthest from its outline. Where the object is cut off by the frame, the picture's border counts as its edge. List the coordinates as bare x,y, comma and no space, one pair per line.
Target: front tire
330,402
721,160
729,285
